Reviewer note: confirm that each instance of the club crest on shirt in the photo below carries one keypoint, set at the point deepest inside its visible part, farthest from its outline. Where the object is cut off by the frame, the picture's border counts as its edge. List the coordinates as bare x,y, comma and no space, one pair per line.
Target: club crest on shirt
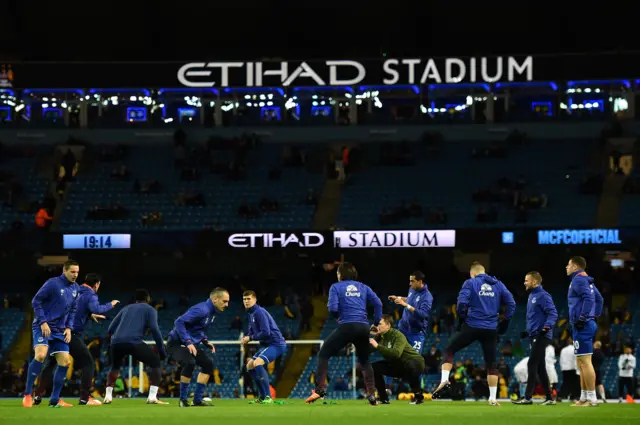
533,300
418,299
389,345
41,339
74,293
62,292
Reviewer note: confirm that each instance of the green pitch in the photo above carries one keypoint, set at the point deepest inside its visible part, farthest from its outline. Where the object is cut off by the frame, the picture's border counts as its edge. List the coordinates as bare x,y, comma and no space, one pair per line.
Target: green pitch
236,412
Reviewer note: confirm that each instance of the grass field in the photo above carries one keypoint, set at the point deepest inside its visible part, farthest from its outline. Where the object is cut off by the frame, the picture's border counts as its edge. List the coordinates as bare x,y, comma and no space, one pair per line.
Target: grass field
232,412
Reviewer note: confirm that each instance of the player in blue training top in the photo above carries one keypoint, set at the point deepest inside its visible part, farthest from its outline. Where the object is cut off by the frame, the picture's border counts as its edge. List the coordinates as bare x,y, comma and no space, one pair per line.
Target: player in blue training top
127,331
541,318
262,328
417,311
54,308
479,304
585,306
188,345
348,300
88,307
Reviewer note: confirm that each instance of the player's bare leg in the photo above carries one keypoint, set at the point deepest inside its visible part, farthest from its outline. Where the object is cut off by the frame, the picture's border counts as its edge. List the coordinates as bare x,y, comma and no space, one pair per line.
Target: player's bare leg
444,380
492,380
587,382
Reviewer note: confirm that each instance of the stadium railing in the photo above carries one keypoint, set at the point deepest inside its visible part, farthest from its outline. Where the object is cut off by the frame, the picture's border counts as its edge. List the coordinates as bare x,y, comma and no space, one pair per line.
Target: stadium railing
241,364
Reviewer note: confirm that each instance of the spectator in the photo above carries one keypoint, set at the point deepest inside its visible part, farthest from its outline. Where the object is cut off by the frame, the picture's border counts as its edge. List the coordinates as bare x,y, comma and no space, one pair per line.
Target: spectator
570,380
432,360
236,324
626,367
43,219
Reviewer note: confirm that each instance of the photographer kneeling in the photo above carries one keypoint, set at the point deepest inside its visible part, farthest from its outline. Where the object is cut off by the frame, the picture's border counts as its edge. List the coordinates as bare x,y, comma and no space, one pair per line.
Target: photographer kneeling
400,360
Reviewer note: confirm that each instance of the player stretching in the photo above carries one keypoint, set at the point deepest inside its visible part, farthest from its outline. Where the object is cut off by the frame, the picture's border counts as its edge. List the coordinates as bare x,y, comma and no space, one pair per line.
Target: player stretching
262,328
348,301
127,332
541,318
54,307
417,311
585,306
88,306
478,308
188,345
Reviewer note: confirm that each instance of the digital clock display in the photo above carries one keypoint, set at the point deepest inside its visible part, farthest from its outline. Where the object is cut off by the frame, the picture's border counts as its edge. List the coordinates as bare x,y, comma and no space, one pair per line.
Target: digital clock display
91,241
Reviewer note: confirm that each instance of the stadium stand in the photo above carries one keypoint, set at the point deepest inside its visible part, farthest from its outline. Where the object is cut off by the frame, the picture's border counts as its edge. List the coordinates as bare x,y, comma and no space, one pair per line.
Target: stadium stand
479,177
11,322
24,189
202,191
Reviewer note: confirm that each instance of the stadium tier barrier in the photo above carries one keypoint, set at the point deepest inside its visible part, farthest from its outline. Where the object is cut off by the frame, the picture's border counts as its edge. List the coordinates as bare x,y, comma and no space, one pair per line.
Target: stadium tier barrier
241,364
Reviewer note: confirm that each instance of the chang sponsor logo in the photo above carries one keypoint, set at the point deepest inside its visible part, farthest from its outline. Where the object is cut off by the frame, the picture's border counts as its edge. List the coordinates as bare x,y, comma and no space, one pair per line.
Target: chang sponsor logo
486,291
352,291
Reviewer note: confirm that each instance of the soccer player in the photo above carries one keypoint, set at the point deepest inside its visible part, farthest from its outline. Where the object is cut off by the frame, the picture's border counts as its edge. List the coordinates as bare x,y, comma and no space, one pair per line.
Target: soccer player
585,306
541,318
127,332
188,345
348,300
87,306
401,360
54,307
262,328
479,303
417,311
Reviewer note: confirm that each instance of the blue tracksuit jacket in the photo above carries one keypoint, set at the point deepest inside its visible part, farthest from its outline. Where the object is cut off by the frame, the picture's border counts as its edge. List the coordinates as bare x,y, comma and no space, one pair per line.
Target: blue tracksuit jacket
585,301
56,303
263,328
133,322
348,299
480,299
418,321
541,312
192,326
87,304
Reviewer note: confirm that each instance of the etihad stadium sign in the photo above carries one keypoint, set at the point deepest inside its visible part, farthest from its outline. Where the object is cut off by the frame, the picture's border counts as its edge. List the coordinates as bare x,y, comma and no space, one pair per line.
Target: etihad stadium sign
351,72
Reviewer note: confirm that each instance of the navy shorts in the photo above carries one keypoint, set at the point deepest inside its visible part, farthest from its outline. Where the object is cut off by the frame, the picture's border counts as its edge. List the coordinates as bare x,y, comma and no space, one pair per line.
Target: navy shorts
55,341
583,339
416,340
270,353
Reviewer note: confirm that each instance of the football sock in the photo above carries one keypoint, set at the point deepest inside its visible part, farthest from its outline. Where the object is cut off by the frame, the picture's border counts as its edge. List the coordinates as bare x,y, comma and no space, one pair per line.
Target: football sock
199,393
59,377
153,392
184,390
263,380
445,376
492,393
34,371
